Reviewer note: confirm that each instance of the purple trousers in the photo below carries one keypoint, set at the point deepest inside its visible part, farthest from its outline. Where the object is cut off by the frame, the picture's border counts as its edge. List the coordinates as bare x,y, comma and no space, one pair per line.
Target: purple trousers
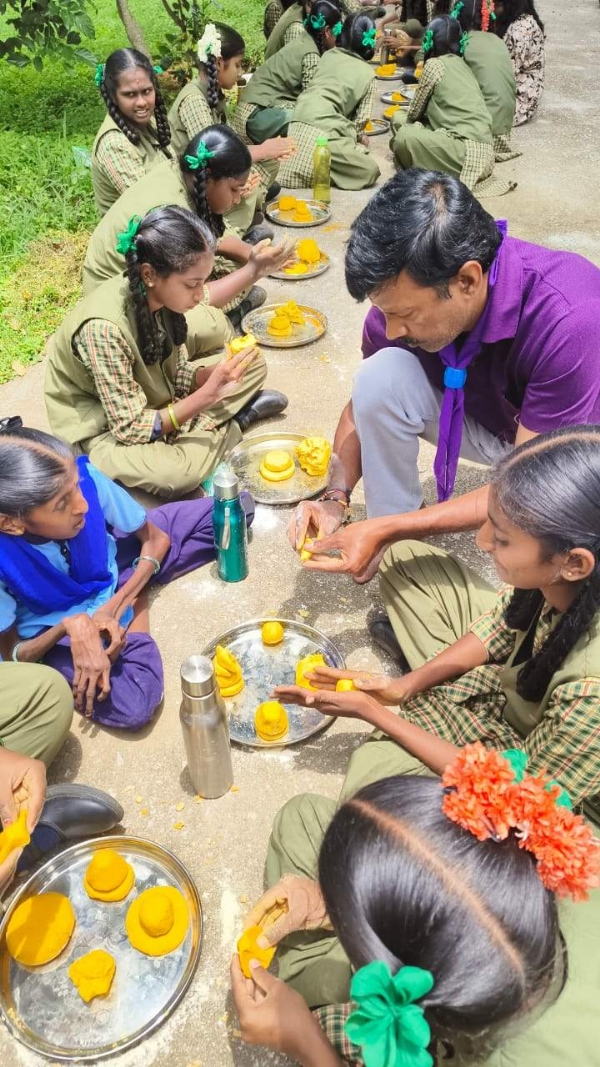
136,677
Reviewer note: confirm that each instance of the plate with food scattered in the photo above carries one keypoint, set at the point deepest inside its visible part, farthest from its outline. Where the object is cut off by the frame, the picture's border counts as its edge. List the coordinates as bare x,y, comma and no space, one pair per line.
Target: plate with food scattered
388,72
376,126
282,468
97,948
403,97
310,262
288,325
297,211
263,653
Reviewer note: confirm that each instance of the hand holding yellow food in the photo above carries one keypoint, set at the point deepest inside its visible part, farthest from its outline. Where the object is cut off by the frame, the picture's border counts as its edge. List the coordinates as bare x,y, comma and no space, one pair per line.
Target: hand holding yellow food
249,950
306,551
15,836
108,876
306,665
313,455
40,929
345,685
271,633
238,344
271,721
228,672
277,466
93,974
157,921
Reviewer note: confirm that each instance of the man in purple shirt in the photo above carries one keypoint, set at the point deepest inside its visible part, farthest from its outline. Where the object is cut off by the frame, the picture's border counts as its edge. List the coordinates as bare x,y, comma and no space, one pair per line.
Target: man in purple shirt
476,342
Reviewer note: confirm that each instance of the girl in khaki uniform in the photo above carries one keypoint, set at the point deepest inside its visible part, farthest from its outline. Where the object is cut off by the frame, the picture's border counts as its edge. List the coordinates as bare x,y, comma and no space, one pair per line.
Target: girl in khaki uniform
135,134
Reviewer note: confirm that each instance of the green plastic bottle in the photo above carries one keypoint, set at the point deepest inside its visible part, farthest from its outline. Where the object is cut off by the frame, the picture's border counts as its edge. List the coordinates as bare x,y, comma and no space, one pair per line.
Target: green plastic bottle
321,170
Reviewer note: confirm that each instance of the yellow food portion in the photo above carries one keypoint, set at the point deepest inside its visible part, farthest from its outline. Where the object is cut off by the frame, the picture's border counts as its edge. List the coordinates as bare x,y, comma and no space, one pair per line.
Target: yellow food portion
313,455
271,721
386,69
296,268
279,326
15,836
108,876
302,212
157,921
308,250
287,203
397,98
277,466
292,312
369,127
418,70
345,685
238,344
40,929
391,111
228,672
249,950
271,633
93,974
305,666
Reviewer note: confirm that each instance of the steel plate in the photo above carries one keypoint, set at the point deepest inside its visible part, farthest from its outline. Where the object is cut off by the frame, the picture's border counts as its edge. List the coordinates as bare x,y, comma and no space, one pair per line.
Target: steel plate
42,1008
390,77
314,269
386,98
246,458
321,213
256,322
264,666
379,126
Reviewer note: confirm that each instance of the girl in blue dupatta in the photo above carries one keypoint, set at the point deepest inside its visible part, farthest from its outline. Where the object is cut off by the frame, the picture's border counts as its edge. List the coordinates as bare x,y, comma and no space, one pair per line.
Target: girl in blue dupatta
76,554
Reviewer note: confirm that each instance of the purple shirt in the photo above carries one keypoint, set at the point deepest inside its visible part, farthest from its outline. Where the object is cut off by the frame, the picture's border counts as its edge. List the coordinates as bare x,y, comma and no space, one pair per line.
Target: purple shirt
540,361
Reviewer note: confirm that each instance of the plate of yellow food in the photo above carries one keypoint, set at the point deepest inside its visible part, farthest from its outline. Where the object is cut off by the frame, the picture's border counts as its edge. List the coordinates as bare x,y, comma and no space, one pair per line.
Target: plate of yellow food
282,468
310,261
97,948
402,97
375,126
285,325
297,211
270,652
388,71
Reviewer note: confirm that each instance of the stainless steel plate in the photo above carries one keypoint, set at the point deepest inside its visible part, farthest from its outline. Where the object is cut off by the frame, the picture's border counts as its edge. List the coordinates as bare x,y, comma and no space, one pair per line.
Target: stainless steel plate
407,92
246,460
265,666
379,126
321,213
390,77
314,269
256,322
42,1008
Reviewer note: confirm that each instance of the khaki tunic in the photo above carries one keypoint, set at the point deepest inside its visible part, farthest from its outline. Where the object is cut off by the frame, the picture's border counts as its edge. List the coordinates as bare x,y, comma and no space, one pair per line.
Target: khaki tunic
146,154
488,58
278,82
276,41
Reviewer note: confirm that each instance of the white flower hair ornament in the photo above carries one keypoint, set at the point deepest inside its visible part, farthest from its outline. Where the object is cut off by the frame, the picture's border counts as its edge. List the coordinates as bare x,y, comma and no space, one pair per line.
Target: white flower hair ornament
209,44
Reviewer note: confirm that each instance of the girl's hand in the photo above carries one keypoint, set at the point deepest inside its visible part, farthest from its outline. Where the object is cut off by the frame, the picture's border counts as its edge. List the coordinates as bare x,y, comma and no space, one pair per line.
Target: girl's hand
91,663
386,690
344,705
225,376
266,257
305,906
279,148
270,1013
22,785
251,184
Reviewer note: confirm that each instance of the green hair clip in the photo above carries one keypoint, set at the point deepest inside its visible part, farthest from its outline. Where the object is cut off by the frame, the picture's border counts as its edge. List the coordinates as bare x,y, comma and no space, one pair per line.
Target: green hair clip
456,10
99,75
462,44
519,760
200,160
427,44
318,21
158,70
126,240
337,29
368,38
388,1024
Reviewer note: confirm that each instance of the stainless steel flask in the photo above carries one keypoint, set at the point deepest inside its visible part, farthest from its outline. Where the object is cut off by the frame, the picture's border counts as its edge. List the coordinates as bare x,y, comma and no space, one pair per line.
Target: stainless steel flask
205,729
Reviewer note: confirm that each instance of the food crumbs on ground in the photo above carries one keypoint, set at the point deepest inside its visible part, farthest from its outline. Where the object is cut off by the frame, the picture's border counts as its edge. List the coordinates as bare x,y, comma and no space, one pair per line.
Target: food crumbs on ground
180,806
178,825
139,800
234,789
93,974
108,876
198,798
143,811
302,611
244,898
40,928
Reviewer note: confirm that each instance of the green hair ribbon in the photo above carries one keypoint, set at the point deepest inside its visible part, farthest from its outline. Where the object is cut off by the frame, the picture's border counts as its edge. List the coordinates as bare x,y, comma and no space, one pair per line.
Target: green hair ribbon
99,75
519,760
318,21
158,70
427,44
389,1026
462,44
126,240
456,10
337,29
368,38
200,160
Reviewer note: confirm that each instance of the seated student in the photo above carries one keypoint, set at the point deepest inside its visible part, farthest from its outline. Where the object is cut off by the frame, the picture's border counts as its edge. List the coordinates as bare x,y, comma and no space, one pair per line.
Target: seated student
135,384
488,57
519,669
288,27
266,104
522,30
135,134
76,554
337,105
201,103
208,178
448,126
431,923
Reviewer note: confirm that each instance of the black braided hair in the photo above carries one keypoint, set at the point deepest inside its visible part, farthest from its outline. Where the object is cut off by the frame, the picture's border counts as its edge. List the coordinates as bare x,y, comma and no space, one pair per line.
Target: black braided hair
447,35
231,159
332,15
354,30
469,15
550,488
170,239
116,64
232,44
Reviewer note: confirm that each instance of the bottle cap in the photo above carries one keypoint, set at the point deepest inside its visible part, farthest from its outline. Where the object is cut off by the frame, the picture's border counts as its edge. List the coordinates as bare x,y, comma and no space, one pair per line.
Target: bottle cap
197,676
226,485
321,141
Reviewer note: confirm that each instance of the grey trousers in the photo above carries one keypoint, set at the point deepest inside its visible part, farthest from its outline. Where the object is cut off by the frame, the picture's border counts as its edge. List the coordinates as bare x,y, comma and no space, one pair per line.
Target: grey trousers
394,404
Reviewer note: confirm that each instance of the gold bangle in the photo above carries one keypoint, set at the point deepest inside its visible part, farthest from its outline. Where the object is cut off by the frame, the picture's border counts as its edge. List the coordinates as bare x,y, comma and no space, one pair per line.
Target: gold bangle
173,417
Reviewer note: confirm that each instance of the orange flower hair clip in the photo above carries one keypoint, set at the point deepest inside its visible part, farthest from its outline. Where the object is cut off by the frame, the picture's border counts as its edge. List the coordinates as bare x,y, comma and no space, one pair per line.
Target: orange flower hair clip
490,794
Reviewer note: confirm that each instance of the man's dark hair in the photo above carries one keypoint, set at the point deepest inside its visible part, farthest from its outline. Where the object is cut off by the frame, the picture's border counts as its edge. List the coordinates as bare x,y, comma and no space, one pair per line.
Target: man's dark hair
426,223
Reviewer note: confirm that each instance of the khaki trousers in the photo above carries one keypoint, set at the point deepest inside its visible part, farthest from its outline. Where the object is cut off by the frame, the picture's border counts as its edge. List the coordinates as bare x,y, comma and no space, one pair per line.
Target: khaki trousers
35,711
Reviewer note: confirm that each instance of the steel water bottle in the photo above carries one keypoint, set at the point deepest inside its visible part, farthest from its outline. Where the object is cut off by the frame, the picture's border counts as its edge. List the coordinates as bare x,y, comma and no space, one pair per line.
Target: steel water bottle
229,526
205,730
322,170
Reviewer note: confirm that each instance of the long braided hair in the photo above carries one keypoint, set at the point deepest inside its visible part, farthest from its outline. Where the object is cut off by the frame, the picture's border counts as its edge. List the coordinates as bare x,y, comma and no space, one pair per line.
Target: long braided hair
444,36
232,44
116,64
550,488
230,158
170,239
323,16
353,36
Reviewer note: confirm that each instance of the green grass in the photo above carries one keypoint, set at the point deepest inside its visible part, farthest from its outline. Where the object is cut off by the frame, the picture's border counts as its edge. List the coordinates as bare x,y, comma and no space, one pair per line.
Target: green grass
46,203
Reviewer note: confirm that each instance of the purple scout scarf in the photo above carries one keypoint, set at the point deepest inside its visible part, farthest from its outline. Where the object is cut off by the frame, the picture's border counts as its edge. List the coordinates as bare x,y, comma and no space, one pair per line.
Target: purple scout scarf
453,399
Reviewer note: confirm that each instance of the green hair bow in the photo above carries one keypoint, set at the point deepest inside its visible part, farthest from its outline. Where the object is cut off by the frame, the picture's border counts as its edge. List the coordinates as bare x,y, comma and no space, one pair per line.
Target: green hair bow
318,21
158,70
389,1026
519,760
462,44
99,75
456,10
368,38
427,44
126,240
200,160
337,29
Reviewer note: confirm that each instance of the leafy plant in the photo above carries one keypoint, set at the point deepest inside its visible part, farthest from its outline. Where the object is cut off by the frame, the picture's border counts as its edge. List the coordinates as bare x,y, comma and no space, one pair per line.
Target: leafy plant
46,27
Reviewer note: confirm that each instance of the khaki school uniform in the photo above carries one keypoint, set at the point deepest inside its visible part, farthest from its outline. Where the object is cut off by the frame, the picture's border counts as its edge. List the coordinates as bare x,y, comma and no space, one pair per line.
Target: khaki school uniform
117,163
285,30
266,104
36,710
488,58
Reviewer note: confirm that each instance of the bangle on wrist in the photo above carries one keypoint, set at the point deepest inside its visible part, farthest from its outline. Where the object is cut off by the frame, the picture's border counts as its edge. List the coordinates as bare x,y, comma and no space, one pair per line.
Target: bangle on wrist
15,652
150,559
171,413
338,496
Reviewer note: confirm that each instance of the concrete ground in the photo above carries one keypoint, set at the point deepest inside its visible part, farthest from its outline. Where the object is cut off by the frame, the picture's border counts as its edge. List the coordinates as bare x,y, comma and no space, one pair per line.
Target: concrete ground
223,842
